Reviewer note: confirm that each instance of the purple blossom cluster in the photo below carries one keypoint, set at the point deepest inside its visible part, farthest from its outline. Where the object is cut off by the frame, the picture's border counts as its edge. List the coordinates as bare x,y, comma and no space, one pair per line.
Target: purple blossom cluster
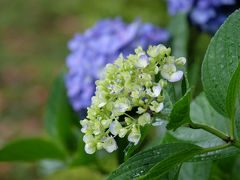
207,14
100,45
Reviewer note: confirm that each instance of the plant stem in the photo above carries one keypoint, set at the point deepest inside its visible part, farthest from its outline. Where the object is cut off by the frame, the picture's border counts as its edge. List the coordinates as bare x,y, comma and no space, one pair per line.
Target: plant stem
232,128
210,130
129,116
236,143
228,139
216,147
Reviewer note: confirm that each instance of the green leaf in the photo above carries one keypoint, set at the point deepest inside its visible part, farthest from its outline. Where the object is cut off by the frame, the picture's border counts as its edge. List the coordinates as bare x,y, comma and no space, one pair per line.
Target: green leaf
222,169
142,162
214,155
232,92
180,113
170,162
195,171
59,115
203,113
130,149
220,62
31,149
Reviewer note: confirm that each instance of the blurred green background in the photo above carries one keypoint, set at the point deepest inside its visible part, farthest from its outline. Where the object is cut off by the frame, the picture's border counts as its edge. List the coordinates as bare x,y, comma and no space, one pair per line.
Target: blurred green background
33,38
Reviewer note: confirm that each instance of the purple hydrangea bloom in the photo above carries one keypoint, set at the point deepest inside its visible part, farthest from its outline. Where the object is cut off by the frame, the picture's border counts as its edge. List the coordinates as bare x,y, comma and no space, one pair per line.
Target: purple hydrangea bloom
207,14
100,45
175,6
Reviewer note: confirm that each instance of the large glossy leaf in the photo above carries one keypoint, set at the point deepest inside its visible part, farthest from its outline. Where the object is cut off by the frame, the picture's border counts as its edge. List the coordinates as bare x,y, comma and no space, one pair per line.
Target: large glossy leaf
218,154
59,115
232,92
220,62
222,169
195,171
142,162
31,149
202,112
180,112
170,162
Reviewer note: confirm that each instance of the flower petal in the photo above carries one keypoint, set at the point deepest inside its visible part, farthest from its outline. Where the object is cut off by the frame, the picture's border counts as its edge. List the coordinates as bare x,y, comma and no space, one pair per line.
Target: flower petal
115,127
134,137
90,148
142,61
176,76
159,108
110,144
157,90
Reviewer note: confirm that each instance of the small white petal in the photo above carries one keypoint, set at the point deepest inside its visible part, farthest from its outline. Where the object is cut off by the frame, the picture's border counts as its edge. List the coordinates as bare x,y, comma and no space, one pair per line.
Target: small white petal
122,107
156,69
110,144
159,108
157,90
84,129
87,138
122,132
176,76
84,124
158,123
115,127
90,148
165,75
142,61
102,104
134,137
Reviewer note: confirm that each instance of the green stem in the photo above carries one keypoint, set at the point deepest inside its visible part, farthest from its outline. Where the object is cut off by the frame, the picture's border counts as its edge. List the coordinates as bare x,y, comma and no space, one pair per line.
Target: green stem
216,148
236,143
232,128
229,139
211,130
129,116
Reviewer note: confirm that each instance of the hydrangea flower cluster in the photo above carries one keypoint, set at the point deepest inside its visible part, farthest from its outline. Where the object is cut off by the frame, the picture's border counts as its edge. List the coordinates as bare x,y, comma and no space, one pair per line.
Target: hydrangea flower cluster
100,45
207,14
129,87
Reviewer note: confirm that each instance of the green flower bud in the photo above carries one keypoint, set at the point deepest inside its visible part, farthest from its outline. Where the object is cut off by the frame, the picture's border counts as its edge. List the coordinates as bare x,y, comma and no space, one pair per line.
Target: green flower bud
180,61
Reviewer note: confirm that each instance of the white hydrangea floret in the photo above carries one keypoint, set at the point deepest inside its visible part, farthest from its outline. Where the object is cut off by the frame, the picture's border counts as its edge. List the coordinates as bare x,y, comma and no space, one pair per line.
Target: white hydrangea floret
122,132
84,124
170,73
109,144
90,148
144,119
142,61
134,136
156,107
115,127
156,90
